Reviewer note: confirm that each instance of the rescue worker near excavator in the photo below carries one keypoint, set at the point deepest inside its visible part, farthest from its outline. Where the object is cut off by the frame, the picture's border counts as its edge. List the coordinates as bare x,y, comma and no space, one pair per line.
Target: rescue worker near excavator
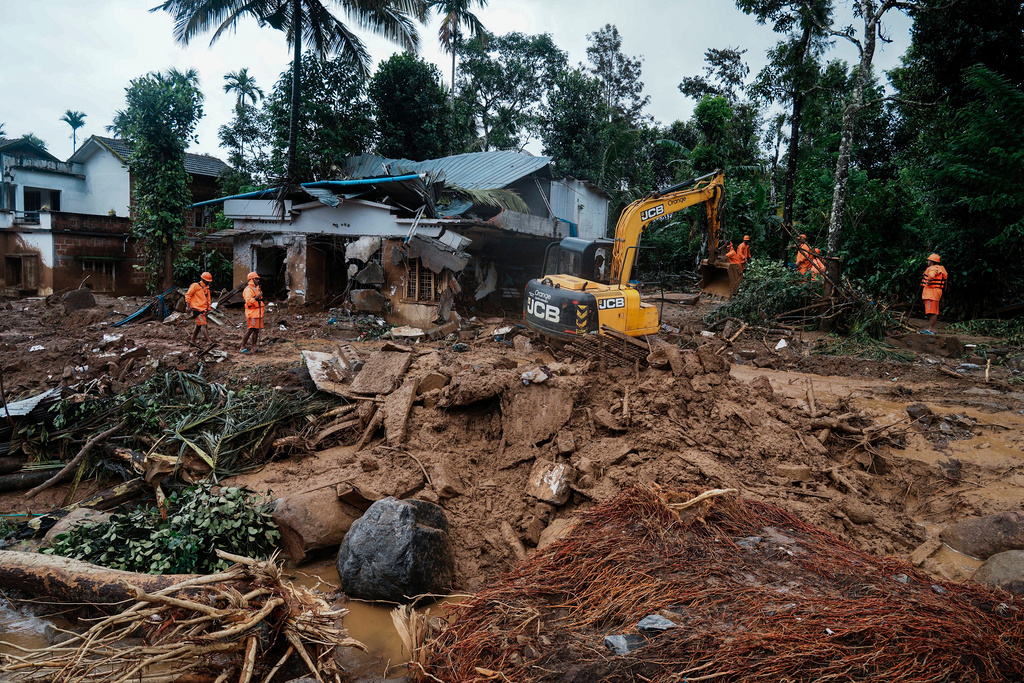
933,283
734,256
198,302
744,250
254,310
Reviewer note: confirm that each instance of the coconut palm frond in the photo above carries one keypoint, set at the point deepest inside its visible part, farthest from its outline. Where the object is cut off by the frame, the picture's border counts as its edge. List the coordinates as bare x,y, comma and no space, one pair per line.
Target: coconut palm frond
506,200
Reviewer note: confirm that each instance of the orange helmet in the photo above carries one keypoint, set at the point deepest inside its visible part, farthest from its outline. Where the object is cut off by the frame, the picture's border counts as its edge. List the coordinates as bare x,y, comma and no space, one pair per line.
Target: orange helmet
206,276
253,276
803,237
746,238
817,251
935,258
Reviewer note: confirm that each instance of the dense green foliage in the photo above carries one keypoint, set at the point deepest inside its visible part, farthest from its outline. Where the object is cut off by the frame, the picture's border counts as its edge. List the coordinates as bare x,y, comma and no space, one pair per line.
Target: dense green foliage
158,121
768,289
192,261
413,116
183,539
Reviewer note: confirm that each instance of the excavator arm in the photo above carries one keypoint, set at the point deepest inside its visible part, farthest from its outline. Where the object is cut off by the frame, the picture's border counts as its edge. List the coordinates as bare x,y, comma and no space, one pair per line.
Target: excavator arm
638,215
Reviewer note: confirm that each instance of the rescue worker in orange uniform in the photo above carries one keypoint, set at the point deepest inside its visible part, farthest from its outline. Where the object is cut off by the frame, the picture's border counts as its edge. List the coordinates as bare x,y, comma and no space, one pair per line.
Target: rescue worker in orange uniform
198,302
744,250
817,266
734,256
254,309
933,283
803,255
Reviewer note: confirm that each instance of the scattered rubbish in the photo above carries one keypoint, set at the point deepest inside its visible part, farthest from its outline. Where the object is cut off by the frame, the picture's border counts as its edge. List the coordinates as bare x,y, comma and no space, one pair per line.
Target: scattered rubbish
654,624
460,347
669,329
407,332
37,347
902,578
623,645
706,333
781,345
536,376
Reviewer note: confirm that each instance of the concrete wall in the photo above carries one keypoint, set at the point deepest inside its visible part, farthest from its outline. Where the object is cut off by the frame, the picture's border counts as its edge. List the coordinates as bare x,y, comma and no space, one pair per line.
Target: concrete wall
38,243
77,237
527,190
107,186
72,188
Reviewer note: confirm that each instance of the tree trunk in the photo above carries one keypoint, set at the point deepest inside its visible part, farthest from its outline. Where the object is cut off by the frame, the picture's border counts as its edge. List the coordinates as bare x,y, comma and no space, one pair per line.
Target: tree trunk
168,265
853,107
65,580
293,124
794,134
23,480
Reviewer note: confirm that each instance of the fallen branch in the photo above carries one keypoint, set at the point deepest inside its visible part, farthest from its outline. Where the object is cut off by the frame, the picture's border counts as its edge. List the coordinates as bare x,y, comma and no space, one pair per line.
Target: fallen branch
89,445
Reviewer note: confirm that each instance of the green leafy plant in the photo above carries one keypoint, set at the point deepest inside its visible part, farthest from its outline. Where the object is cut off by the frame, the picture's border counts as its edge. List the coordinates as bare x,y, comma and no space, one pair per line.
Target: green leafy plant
769,288
199,521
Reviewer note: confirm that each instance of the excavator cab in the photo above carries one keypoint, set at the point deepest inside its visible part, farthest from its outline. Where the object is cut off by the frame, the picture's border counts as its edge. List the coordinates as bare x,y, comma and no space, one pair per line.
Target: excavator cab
585,259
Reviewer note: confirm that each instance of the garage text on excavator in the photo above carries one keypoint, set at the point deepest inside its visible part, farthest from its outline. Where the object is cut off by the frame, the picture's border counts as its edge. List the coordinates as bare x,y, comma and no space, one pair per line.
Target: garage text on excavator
586,283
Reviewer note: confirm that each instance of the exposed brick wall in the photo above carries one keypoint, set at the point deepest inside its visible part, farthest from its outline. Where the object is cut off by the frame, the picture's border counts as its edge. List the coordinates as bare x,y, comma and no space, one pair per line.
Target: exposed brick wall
76,237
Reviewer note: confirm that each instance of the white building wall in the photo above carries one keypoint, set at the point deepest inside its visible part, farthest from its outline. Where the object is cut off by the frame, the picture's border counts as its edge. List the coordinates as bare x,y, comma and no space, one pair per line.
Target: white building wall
71,187
106,186
574,200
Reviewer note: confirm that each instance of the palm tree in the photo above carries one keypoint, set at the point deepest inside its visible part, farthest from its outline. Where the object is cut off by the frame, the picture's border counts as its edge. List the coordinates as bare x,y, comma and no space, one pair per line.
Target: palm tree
309,20
244,86
76,120
454,15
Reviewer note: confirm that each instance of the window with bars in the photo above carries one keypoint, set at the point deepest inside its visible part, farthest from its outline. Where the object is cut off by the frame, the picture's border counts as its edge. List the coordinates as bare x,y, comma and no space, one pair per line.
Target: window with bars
101,274
419,283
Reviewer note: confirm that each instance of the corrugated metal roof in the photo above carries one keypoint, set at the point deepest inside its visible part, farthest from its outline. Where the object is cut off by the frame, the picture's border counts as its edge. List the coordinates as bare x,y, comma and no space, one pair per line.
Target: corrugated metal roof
473,171
195,164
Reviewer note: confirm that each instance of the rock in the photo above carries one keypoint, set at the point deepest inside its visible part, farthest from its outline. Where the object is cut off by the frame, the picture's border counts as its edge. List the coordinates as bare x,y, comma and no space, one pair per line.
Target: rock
312,520
607,420
78,299
983,537
550,482
710,361
793,472
920,412
446,481
857,512
924,551
535,413
1003,570
762,386
749,543
565,444
623,645
73,519
522,344
397,550
653,624
691,364
955,348
534,529
747,354
555,531
432,381
368,300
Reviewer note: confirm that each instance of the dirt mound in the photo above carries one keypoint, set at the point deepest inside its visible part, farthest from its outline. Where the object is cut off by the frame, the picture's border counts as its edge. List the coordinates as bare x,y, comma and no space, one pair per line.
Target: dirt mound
727,589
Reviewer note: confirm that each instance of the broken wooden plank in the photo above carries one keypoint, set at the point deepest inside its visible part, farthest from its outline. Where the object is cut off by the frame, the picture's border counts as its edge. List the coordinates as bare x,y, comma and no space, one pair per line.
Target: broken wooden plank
396,411
338,426
382,373
371,429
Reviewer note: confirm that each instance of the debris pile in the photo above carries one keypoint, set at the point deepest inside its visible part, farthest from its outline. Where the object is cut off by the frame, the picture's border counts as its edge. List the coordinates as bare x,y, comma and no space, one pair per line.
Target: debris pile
662,586
246,623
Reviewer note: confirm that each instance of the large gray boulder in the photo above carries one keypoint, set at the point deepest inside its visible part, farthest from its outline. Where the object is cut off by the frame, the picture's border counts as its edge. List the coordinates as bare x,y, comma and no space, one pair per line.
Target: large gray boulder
397,550
1003,570
983,537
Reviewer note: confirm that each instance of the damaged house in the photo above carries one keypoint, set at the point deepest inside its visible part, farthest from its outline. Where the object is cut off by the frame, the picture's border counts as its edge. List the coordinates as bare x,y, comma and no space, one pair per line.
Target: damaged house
63,223
403,239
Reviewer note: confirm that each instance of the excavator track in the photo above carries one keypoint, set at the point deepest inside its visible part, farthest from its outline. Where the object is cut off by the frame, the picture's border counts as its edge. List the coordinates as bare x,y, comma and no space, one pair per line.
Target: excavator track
612,346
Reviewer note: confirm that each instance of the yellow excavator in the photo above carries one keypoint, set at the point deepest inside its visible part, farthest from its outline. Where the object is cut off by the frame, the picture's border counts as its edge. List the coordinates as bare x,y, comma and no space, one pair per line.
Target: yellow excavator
585,283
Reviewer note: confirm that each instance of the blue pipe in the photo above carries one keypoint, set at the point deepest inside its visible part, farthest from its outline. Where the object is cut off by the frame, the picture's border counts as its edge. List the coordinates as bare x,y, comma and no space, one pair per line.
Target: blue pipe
361,181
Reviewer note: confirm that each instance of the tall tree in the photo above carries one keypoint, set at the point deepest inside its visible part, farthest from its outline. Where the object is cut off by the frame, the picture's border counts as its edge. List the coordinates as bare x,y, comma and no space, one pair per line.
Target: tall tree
791,70
158,122
504,83
575,130
309,20
244,86
871,13
333,120
35,140
618,73
413,118
455,18
76,120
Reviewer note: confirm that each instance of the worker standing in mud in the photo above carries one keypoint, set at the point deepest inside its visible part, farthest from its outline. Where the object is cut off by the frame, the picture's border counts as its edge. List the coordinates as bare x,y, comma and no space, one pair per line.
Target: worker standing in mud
198,302
254,309
744,250
933,283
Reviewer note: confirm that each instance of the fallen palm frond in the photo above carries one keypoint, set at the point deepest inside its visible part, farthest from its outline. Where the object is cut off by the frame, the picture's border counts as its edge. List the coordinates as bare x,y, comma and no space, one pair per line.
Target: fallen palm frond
506,200
412,631
861,347
739,590
242,624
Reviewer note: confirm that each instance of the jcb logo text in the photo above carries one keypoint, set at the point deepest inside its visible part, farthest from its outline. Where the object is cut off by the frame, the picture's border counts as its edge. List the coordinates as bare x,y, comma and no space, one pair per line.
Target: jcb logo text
541,310
614,302
652,212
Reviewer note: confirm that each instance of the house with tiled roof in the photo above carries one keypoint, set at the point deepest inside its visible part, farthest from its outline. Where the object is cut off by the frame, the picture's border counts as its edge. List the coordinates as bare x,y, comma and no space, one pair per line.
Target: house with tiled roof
65,222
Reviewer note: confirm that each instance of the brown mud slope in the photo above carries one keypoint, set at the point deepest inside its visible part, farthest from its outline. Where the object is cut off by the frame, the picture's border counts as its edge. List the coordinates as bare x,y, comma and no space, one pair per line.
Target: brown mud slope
746,591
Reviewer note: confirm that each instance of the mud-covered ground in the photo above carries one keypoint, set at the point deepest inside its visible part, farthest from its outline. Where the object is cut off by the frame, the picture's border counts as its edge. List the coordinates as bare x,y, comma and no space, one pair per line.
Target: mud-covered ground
740,418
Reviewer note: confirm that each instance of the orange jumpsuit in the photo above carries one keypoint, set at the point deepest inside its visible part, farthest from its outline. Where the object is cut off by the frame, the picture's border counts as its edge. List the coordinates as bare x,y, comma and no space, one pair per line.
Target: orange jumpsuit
804,255
198,299
734,257
817,268
253,296
744,251
932,285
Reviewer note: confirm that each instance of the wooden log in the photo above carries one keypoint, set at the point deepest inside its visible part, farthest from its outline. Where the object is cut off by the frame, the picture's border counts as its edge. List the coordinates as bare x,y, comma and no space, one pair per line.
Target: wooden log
10,464
65,580
23,480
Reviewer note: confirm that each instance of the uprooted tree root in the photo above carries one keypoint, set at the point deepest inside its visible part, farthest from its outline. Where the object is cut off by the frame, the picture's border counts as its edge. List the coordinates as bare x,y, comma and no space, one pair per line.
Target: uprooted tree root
791,602
202,629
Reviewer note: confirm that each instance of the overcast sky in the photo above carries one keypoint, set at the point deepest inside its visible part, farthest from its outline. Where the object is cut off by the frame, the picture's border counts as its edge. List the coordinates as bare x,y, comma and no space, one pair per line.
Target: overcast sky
57,55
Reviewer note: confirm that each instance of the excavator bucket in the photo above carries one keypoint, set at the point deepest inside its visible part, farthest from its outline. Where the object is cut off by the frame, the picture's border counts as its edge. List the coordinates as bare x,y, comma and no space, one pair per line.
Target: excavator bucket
720,280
